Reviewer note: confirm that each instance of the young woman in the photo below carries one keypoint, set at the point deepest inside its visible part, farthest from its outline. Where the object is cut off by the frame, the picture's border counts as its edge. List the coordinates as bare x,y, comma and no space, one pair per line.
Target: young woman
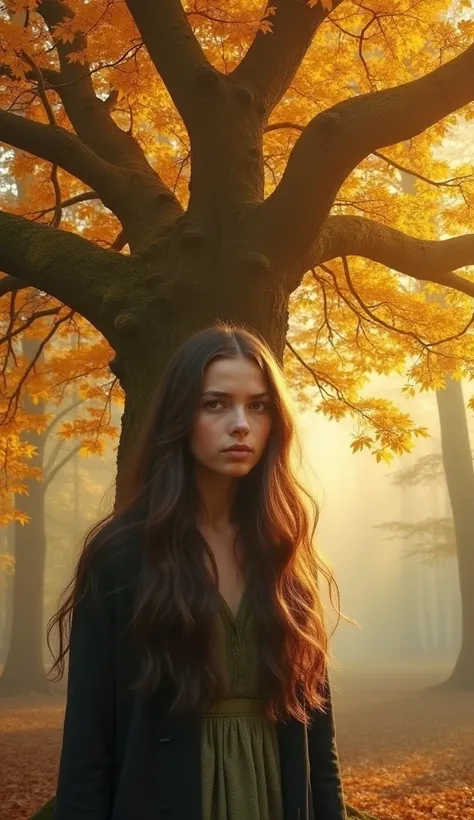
198,656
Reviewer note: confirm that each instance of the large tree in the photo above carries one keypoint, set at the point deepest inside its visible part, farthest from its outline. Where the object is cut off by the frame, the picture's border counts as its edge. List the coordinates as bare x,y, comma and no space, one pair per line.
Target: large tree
79,86
230,149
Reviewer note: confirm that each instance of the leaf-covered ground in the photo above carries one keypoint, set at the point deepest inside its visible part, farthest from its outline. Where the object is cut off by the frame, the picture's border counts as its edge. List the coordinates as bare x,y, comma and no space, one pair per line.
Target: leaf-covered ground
407,753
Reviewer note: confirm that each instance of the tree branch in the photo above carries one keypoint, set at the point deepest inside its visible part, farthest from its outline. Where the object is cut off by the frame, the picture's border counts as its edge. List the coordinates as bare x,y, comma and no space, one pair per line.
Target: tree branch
92,120
68,267
273,59
32,318
8,414
336,140
89,116
136,199
54,421
58,146
86,196
58,214
452,182
173,48
51,475
11,284
422,259
49,75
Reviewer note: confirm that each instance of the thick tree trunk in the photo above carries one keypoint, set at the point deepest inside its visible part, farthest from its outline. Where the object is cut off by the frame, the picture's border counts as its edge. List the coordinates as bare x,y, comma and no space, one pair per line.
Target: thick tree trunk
195,299
24,667
457,460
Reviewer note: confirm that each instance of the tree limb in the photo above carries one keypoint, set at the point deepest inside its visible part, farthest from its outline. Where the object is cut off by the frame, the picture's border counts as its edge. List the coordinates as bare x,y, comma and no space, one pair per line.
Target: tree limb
336,140
86,196
89,116
58,446
273,59
11,284
58,213
49,75
92,120
173,48
64,265
452,182
32,318
58,146
136,199
54,421
423,259
51,475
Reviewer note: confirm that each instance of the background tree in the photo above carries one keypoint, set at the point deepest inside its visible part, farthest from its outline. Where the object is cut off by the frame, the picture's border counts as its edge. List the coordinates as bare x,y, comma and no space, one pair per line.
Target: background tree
42,426
436,539
24,666
55,384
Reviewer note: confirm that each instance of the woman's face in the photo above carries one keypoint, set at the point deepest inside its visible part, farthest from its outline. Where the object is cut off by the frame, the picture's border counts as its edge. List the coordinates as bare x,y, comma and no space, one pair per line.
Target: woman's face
234,409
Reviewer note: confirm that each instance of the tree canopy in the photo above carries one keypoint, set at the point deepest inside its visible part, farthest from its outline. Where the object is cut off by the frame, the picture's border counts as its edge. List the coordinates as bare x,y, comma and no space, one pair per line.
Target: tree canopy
321,146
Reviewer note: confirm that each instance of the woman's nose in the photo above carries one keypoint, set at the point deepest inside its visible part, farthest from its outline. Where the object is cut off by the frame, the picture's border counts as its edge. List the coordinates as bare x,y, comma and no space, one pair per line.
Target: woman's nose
240,423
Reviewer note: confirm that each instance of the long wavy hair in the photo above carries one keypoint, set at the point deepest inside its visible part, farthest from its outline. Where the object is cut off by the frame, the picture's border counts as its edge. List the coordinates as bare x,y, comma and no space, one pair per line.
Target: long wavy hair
175,597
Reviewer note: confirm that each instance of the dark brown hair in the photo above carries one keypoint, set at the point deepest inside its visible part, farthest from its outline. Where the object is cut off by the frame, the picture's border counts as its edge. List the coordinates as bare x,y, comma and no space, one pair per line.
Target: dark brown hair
175,595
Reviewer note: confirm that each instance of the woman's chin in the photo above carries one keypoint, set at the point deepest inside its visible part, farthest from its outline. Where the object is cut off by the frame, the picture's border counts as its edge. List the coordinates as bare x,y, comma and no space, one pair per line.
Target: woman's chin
235,470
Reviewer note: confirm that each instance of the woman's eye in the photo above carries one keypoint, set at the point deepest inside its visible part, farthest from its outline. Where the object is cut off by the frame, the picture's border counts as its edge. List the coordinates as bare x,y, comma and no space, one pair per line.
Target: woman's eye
213,404
209,404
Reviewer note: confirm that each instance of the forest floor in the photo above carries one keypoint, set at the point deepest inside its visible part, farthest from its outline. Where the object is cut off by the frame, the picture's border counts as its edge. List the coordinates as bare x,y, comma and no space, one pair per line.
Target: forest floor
406,751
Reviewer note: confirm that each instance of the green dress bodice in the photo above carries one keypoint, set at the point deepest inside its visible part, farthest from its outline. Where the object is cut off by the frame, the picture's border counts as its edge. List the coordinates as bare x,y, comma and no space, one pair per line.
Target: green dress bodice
239,747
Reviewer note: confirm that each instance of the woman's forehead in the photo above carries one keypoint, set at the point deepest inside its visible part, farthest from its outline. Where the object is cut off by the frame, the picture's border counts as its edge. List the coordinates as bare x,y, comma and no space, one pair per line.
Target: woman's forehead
234,375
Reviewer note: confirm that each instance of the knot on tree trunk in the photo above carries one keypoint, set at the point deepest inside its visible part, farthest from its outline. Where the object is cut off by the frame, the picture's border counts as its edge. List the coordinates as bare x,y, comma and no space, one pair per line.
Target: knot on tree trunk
191,237
126,324
255,262
244,94
206,77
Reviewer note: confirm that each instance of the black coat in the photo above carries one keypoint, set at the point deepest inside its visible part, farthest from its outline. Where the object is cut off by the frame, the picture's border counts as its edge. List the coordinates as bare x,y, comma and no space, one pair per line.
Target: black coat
124,758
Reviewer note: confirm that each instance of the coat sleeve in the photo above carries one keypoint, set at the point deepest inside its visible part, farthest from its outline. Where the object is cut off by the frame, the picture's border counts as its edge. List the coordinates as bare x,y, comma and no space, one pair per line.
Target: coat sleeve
326,781
85,779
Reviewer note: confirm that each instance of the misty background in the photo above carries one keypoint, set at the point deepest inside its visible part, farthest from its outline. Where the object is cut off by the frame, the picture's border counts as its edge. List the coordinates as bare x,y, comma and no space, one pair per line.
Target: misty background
398,577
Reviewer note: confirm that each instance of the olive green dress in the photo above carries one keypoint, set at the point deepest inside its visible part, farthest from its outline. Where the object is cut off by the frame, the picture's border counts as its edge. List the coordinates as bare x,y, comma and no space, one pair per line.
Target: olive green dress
239,748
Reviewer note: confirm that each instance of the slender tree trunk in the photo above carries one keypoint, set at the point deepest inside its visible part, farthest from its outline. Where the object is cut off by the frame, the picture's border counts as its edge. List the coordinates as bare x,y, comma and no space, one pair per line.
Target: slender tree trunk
6,594
457,460
24,668
9,592
410,639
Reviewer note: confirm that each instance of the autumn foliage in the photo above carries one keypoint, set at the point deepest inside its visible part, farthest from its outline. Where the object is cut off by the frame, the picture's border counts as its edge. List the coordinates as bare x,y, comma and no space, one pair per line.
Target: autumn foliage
79,90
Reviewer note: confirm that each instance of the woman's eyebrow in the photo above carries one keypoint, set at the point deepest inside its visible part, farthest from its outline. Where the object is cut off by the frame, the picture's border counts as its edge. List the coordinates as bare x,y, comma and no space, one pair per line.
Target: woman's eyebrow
223,394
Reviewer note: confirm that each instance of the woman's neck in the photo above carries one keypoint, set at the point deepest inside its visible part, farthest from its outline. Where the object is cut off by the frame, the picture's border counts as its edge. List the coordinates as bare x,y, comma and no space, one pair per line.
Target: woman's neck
216,493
